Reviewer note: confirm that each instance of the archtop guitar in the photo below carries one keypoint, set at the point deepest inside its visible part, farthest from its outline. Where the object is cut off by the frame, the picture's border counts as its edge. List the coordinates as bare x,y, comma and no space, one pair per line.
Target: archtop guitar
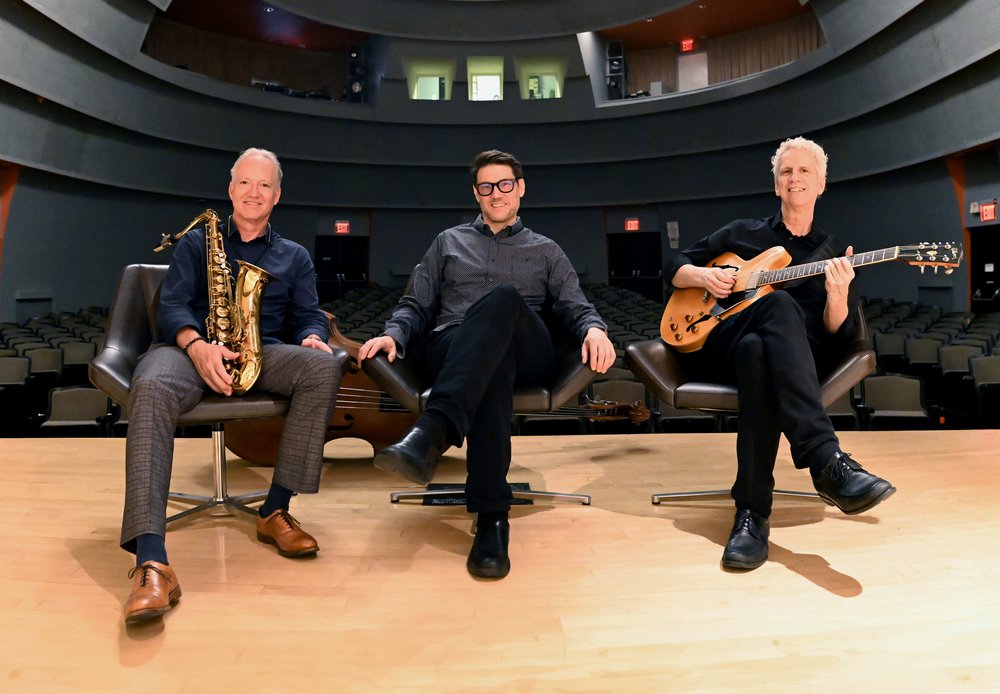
692,313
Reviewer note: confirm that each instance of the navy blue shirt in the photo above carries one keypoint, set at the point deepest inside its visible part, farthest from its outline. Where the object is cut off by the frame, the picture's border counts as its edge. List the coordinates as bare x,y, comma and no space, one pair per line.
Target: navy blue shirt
466,262
289,309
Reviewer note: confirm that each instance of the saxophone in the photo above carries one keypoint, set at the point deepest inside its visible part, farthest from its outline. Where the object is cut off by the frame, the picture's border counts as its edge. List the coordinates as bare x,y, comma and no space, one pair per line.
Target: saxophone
233,308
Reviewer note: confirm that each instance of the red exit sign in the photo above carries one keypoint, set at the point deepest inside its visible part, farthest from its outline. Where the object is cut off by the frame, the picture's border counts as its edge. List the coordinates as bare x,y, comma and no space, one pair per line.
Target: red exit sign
341,226
632,224
687,45
988,212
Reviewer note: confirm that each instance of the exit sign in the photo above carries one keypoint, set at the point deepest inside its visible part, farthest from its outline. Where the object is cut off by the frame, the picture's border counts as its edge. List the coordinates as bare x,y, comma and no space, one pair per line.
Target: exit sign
687,45
988,212
342,226
632,224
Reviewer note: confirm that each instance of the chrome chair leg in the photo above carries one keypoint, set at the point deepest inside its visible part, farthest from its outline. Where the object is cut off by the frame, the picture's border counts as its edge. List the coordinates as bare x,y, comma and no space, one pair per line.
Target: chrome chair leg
221,495
720,494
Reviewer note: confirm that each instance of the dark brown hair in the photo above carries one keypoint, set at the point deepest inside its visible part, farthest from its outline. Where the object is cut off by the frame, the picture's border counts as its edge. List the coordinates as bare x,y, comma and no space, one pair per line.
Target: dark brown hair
495,156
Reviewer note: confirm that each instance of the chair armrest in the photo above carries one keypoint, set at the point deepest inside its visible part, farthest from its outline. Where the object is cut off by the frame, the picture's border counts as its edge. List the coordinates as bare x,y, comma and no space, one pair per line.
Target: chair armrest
572,377
400,379
657,367
111,372
847,374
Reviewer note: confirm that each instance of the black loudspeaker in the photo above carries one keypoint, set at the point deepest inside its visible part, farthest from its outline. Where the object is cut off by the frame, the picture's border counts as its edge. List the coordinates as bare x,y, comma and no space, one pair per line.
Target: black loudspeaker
616,71
357,80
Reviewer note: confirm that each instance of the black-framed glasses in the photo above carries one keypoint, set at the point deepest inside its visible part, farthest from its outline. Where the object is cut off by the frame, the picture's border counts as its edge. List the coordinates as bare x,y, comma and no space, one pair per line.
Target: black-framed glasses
505,186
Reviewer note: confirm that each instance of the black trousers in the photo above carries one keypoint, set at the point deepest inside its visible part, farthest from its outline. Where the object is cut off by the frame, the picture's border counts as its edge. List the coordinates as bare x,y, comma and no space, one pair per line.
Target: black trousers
766,351
475,365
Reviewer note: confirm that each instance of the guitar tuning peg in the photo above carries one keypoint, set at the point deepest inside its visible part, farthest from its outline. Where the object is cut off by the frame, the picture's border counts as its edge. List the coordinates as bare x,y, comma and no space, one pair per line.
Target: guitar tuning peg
949,270
935,269
922,268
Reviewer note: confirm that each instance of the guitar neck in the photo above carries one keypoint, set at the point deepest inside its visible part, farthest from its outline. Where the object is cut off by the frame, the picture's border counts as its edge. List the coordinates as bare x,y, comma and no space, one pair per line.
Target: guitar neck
795,272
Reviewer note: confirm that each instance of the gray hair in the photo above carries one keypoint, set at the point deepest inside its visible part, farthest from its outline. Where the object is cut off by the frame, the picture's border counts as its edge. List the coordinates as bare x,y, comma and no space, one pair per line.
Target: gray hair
800,143
256,152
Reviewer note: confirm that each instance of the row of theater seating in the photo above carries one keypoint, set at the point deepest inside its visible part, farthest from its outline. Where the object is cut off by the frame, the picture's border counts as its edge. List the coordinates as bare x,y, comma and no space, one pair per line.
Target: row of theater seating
953,358
43,354
906,392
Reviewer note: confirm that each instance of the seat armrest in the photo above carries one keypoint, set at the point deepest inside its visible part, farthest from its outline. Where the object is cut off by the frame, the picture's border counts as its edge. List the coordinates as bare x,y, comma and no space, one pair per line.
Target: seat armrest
111,372
847,374
572,377
400,379
657,367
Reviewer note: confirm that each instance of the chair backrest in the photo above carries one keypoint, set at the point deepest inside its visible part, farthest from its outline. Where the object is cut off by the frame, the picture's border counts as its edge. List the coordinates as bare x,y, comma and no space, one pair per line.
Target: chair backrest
14,370
955,358
893,392
619,391
922,350
131,329
76,405
985,370
77,352
45,360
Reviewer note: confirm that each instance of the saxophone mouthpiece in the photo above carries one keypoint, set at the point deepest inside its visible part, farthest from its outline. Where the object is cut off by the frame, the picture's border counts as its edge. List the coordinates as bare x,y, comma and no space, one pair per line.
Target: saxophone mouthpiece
166,240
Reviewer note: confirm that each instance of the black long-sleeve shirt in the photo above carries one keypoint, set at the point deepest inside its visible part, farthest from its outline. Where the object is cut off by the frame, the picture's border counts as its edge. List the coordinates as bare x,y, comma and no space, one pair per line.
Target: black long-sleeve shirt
466,262
748,238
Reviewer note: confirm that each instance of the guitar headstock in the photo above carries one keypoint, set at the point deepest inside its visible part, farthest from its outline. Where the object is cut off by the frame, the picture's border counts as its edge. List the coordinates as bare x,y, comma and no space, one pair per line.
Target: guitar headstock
946,255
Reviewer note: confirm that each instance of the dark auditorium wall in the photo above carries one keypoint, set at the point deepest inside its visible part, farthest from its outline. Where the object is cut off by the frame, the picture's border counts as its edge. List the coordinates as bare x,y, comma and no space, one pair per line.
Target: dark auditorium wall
117,148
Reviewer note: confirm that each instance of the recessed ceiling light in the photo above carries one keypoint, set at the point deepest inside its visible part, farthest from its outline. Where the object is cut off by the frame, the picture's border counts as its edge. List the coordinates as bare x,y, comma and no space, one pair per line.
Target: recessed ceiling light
269,9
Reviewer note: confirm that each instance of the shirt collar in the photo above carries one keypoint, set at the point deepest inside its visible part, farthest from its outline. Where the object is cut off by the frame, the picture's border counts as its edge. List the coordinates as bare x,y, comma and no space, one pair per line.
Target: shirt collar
230,229
480,226
815,234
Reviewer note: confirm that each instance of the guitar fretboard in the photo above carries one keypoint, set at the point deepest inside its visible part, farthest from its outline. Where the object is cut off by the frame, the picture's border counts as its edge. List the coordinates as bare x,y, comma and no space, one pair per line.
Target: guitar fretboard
794,272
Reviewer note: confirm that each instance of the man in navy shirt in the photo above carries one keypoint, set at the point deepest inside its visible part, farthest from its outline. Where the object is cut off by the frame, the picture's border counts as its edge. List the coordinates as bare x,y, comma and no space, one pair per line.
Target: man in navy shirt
172,376
475,305
774,349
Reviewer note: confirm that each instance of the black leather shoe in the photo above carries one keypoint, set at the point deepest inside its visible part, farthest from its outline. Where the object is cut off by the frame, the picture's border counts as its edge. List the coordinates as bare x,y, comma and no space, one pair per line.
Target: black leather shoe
415,457
489,558
747,546
845,484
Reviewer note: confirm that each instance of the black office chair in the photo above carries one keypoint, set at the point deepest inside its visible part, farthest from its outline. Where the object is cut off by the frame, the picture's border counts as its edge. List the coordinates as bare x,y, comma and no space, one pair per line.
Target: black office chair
657,366
403,381
131,328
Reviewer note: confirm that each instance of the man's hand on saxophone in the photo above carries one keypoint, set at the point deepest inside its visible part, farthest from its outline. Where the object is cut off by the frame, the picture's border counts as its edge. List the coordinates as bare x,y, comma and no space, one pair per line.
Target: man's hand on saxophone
208,360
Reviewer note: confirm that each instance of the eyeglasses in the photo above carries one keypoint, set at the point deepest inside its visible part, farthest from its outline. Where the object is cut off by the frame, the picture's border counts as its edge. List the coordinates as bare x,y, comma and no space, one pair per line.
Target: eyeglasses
504,186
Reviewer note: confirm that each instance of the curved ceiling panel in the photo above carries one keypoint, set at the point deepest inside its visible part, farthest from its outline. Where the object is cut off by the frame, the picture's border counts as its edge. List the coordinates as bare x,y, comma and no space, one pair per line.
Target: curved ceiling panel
924,47
498,20
936,121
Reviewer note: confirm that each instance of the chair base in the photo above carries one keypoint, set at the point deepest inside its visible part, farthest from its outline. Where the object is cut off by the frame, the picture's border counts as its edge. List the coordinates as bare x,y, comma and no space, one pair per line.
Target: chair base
722,493
220,497
520,491
207,503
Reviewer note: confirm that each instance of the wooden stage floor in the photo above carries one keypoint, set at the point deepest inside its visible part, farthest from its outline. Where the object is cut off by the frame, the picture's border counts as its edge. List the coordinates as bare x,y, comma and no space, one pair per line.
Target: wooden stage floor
620,596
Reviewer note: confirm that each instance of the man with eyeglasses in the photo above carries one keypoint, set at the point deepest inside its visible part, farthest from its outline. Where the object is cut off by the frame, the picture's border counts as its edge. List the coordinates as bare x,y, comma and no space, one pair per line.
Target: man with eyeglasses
475,310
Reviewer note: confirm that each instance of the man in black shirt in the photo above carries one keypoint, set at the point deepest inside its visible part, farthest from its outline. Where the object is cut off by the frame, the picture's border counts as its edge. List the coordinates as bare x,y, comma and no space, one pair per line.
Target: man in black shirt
774,349
475,304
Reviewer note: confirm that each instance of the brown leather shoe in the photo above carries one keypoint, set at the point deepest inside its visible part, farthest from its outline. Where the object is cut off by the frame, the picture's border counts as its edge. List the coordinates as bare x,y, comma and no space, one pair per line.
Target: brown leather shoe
154,591
284,532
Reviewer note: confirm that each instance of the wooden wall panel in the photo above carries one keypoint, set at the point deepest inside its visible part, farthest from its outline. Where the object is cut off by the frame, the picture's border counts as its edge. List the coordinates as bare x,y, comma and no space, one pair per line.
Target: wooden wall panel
730,57
239,61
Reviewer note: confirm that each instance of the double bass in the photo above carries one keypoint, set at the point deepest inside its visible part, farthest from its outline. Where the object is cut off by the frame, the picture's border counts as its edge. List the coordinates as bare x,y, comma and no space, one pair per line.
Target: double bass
364,411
